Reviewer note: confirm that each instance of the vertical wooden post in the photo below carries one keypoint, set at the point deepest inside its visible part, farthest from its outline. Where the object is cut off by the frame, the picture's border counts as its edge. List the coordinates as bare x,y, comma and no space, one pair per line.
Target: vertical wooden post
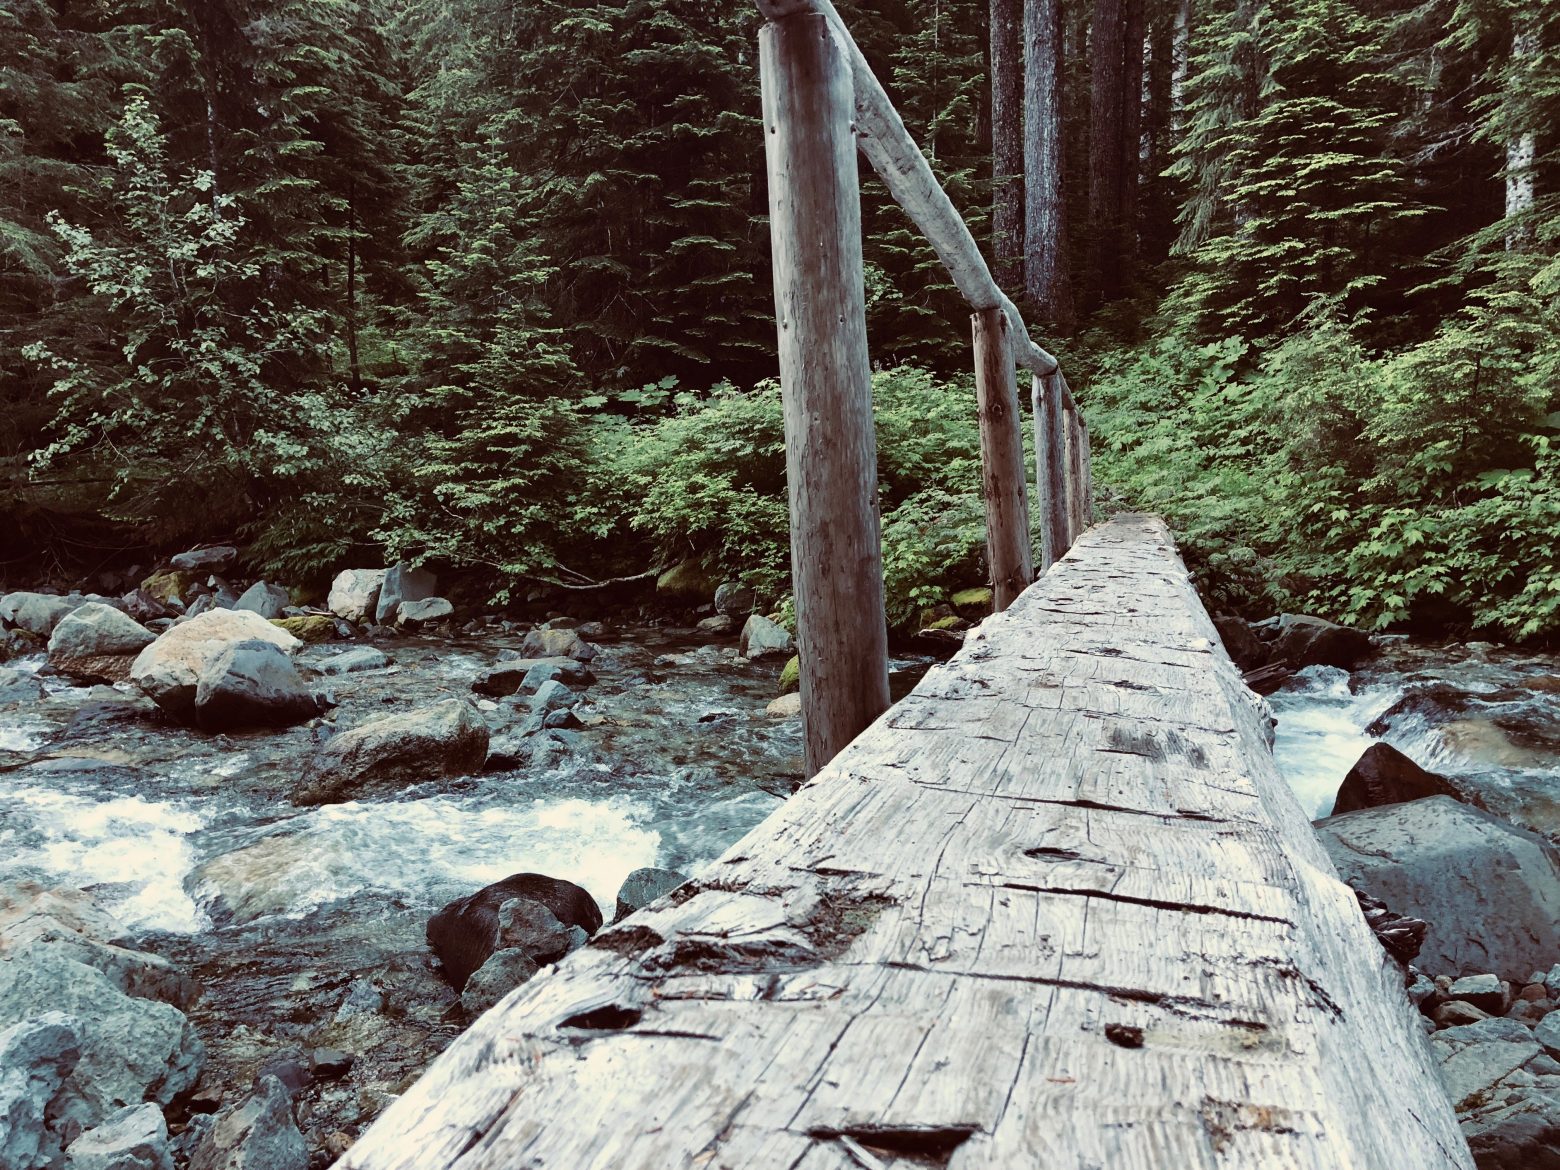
1069,483
1002,459
1088,471
826,382
1049,472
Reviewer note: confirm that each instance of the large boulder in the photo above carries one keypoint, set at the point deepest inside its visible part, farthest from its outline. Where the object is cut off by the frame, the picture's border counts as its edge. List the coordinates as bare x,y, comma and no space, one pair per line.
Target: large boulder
258,1133
37,613
447,739
401,584
688,582
37,1056
643,886
1489,890
265,599
556,644
734,599
212,559
1243,646
1310,641
168,671
97,643
252,684
529,912
424,612
1383,775
354,594
762,638
134,1138
132,1049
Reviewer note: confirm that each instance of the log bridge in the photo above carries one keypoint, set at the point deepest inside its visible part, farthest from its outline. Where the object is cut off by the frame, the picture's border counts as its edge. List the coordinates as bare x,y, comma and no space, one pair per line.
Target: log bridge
1054,909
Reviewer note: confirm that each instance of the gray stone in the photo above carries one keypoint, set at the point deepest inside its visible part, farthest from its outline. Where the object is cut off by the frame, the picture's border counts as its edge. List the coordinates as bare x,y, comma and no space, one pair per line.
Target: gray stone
355,659
362,999
721,623
530,911
734,599
447,739
36,613
37,1055
1455,1012
1507,1100
1487,992
1548,1033
762,638
1310,641
403,583
589,630
1552,982
97,629
643,886
256,1134
265,599
213,559
17,688
1475,1057
1420,990
169,670
252,684
132,1049
567,671
1489,890
354,594
556,644
551,696
134,1138
503,972
424,612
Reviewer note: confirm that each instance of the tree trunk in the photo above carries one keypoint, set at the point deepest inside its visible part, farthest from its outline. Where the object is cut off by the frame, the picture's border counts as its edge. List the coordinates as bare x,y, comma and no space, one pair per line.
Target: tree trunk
355,375
1007,144
1157,215
1521,148
1131,133
1106,36
1047,281
1180,62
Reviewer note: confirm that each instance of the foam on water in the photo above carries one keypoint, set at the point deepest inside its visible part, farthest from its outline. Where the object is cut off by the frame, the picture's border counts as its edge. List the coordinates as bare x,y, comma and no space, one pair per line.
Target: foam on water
1321,731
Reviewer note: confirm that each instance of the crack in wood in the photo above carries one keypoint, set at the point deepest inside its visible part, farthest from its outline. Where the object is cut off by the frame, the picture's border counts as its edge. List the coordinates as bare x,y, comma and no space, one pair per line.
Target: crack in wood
1131,900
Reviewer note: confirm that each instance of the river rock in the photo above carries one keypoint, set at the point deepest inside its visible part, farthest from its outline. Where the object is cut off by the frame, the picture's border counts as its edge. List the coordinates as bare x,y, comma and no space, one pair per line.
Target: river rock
424,612
785,707
169,670
174,587
37,1056
720,623
1243,646
18,644
353,660
762,638
447,739
735,600
1488,993
313,627
525,675
256,1134
467,932
1506,1092
1383,775
643,886
551,696
36,613
17,688
265,599
402,584
134,1138
503,972
97,643
1310,641
212,559
354,594
1489,890
252,684
688,582
132,1049
556,644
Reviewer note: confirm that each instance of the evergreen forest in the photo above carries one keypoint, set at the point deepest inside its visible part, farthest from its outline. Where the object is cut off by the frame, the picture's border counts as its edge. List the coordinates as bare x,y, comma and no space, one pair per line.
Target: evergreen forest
485,284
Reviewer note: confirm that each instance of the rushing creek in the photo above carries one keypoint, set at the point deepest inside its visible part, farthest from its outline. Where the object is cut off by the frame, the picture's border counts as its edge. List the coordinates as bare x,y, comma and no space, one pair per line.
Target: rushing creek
304,926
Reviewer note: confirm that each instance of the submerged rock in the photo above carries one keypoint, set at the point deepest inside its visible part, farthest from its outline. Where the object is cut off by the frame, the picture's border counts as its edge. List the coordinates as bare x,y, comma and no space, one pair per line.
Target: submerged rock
1489,890
252,684
353,660
354,594
524,675
1383,775
169,670
525,911
447,739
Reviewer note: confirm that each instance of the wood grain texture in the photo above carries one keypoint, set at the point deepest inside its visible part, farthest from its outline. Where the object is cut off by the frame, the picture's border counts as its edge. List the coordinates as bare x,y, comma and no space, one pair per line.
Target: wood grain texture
1048,397
1056,909
825,380
1003,479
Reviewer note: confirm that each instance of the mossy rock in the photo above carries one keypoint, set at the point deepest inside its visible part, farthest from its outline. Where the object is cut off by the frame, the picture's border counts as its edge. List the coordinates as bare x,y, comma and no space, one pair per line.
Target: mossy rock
791,676
170,585
978,600
313,627
689,581
947,623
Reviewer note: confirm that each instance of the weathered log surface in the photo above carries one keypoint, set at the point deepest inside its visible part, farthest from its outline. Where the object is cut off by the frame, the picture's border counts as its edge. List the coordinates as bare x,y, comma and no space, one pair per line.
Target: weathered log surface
1055,909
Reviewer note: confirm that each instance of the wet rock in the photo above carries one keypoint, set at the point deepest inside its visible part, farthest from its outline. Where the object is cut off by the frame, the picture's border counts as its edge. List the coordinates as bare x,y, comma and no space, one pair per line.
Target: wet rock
18,644
590,630
1455,1012
291,1068
791,676
466,933
256,1134
252,684
362,999
36,613
556,644
688,582
265,599
785,707
1547,1033
134,1138
1383,775
132,1049
213,559
1488,993
721,623
17,688
1310,641
1243,646
644,886
447,739
329,1064
735,600
423,613
762,638
312,627
402,584
503,972
354,594
525,675
169,670
1475,1057
1505,1091
36,1058
551,696
353,660
1489,890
